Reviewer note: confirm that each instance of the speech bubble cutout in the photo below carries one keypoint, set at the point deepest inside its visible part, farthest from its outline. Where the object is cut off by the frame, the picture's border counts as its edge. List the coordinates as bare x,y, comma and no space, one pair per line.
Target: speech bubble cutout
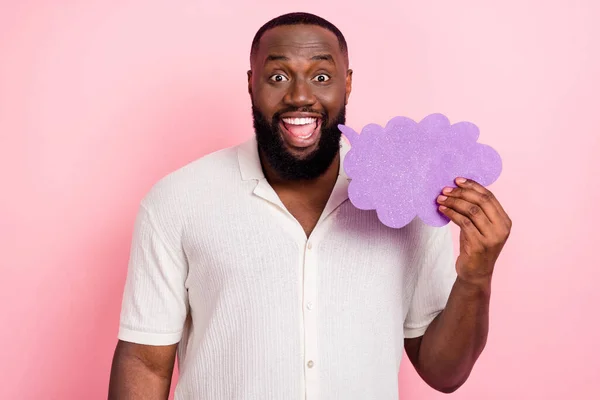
400,169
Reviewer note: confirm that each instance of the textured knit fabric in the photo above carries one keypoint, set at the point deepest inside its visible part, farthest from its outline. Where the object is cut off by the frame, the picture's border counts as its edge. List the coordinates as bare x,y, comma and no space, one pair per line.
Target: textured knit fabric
262,312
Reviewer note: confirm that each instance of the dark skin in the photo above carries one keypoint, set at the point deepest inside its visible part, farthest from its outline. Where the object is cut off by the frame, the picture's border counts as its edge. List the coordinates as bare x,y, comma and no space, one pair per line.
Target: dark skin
312,72
141,372
445,355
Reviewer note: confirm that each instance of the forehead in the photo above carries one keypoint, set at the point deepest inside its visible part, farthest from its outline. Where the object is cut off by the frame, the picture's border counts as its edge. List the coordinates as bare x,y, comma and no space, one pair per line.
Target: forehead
298,41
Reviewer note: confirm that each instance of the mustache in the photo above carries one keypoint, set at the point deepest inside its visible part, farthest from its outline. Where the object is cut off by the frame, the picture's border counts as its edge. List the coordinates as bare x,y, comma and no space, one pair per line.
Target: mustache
278,114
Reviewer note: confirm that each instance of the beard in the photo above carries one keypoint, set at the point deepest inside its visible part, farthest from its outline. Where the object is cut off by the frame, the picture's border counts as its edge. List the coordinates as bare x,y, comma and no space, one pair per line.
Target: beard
286,165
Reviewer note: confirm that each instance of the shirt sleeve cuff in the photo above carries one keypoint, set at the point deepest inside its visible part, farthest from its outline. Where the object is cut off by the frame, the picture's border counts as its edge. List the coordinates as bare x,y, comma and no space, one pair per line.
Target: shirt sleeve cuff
410,333
155,339
417,331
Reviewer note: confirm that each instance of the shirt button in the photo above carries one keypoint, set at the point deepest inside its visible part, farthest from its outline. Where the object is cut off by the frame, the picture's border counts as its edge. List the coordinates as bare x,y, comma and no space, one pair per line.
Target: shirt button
309,306
309,245
310,364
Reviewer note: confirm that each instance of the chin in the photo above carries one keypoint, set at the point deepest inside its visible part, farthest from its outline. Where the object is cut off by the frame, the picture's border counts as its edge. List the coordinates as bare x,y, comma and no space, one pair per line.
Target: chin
301,153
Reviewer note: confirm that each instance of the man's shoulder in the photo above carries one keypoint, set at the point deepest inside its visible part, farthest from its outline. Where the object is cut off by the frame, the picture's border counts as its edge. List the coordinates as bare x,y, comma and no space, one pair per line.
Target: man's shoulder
210,167
204,176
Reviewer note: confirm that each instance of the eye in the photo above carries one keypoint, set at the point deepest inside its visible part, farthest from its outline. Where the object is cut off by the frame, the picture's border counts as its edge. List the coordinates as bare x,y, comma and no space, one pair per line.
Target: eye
278,78
322,78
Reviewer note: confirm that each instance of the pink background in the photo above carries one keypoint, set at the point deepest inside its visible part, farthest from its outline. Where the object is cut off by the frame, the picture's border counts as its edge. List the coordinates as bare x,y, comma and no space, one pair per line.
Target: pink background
99,99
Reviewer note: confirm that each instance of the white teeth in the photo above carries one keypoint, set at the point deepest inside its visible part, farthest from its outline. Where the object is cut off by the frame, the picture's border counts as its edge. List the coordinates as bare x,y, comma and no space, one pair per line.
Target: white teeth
299,121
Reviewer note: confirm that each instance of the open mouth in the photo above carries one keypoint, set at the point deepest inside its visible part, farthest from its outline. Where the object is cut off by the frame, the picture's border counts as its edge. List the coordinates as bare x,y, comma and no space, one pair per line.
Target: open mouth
301,132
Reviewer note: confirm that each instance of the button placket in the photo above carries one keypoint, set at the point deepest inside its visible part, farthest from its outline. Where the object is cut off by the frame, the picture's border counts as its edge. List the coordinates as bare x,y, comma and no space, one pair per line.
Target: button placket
310,320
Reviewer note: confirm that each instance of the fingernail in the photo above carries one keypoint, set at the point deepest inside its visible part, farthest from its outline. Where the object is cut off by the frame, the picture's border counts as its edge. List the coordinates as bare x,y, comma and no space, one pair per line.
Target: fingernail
447,190
461,180
443,207
442,198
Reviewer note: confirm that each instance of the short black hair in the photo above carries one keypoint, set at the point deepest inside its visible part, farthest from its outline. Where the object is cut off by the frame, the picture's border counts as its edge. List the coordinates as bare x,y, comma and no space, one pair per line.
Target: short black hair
299,18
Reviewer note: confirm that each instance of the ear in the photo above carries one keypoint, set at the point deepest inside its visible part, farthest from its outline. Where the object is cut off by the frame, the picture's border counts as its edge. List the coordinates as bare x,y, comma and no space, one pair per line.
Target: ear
250,82
348,85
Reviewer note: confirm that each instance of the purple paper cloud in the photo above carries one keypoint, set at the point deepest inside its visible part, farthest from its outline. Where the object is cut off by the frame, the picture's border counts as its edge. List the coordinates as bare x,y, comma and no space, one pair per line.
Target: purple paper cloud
400,169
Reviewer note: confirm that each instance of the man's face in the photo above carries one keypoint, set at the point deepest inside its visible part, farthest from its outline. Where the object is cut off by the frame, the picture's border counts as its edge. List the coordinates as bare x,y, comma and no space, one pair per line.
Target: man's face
299,85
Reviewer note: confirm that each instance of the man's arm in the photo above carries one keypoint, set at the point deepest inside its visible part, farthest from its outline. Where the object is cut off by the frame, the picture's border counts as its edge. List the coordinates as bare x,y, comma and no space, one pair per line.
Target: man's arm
141,372
445,355
154,306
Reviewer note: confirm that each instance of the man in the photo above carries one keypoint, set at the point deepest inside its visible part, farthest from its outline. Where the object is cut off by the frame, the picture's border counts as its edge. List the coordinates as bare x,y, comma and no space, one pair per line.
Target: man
251,264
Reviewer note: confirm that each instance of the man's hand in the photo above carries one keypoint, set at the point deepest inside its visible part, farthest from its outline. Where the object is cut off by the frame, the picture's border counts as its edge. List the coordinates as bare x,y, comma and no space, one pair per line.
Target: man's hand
484,229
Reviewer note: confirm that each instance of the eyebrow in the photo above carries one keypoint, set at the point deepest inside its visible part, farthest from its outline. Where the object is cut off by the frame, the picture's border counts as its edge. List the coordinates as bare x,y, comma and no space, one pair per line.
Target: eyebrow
276,57
323,57
318,57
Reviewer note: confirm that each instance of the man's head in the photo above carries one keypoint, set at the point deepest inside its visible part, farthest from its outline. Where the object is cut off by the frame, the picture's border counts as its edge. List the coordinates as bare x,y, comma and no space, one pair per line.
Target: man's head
299,83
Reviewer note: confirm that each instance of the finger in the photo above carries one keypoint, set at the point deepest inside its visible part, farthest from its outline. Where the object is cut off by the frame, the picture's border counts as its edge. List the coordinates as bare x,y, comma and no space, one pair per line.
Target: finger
489,196
482,200
468,210
464,223
470,184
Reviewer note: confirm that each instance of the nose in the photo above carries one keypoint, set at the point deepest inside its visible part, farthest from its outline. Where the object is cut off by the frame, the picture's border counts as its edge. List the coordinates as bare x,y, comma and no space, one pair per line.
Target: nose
299,94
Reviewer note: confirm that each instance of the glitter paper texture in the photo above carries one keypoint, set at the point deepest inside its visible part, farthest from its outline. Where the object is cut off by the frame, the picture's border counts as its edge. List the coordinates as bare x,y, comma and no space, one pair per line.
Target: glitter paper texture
400,169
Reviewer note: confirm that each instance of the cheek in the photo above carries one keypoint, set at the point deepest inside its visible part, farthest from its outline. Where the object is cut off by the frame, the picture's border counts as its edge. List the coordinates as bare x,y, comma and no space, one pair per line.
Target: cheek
333,100
268,99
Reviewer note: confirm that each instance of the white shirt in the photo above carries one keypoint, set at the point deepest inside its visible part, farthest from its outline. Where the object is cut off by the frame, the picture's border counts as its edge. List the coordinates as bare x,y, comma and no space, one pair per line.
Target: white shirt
260,311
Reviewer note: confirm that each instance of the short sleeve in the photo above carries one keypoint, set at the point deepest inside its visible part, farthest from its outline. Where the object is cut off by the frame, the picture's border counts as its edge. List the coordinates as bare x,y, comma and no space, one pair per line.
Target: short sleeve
436,277
155,303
